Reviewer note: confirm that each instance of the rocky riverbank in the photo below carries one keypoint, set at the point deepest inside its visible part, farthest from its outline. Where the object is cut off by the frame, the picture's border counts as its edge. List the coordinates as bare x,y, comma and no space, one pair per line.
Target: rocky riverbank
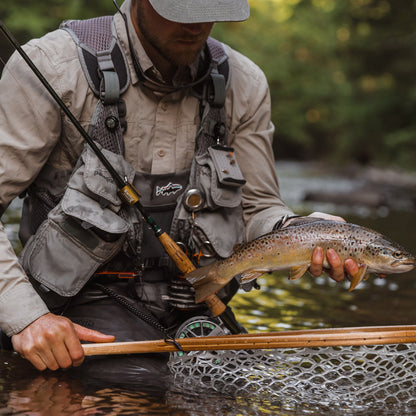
349,187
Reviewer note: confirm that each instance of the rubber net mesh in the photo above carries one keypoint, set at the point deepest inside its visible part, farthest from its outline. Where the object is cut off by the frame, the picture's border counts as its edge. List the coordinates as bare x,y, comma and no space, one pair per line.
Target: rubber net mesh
349,376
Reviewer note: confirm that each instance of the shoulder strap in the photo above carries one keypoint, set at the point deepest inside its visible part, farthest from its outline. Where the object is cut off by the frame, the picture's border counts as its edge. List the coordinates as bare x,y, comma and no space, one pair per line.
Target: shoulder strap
101,56
212,94
213,129
220,57
105,68
214,88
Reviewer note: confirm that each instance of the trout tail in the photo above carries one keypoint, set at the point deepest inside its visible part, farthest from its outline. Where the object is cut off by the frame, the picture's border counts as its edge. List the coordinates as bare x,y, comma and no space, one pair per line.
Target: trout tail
205,282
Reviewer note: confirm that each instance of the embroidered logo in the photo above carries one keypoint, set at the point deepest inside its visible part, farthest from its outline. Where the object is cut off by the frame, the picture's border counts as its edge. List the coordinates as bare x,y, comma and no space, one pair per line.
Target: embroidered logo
169,189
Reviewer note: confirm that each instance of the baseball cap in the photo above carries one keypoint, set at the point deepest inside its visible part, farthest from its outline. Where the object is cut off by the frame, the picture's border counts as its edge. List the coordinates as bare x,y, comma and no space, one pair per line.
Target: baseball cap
200,11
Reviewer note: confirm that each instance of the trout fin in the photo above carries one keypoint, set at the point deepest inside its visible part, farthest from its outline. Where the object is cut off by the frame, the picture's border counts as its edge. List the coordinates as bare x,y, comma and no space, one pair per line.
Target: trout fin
250,275
358,277
297,272
198,276
205,281
206,289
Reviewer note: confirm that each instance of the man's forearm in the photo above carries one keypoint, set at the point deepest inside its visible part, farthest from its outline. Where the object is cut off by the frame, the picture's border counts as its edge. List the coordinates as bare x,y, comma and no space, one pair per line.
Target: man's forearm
19,303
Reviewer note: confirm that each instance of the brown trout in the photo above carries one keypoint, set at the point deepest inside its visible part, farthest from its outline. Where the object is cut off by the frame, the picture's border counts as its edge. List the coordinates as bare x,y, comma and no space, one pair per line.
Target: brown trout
291,248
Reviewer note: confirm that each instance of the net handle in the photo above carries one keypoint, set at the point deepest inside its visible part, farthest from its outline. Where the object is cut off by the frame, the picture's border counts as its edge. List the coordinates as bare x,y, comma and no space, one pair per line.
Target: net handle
270,340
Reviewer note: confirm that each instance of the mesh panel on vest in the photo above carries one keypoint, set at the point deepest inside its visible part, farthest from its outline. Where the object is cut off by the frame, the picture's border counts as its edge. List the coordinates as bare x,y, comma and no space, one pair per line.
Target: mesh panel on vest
204,141
111,140
91,31
216,49
41,203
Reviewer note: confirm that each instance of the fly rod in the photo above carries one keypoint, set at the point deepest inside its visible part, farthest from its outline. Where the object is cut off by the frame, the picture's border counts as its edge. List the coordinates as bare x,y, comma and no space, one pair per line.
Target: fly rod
129,195
285,339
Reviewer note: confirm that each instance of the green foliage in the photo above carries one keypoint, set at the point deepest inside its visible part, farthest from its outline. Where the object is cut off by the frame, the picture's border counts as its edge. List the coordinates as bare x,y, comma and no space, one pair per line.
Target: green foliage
341,72
341,75
27,19
32,19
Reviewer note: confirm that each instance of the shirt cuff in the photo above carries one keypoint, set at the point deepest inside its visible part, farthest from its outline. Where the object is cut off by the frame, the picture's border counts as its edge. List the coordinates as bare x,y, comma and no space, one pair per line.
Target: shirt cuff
264,222
19,307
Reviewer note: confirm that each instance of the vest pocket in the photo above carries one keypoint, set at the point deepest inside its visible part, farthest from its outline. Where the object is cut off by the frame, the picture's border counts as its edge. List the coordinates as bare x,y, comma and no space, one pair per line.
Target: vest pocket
83,232
63,255
217,194
223,229
220,221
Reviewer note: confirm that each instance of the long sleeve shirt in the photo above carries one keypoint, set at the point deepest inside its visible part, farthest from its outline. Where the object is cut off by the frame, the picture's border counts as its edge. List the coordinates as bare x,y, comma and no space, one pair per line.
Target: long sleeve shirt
160,138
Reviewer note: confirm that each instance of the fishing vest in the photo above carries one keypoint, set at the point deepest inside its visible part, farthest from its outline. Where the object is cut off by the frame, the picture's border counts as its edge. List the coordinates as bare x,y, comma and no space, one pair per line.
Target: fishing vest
73,222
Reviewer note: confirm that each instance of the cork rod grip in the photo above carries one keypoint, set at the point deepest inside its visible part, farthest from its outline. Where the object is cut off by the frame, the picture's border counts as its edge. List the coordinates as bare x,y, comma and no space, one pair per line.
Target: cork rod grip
214,303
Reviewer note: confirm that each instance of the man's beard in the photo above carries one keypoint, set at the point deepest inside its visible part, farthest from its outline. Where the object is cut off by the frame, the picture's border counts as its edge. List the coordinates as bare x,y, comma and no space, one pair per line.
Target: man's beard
177,56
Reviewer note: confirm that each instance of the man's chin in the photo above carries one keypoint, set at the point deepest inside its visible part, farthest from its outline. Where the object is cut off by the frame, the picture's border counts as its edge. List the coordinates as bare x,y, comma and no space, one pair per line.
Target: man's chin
185,53
186,59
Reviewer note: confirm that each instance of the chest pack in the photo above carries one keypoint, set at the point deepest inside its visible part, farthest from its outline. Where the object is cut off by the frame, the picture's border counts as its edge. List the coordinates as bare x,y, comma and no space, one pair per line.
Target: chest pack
105,67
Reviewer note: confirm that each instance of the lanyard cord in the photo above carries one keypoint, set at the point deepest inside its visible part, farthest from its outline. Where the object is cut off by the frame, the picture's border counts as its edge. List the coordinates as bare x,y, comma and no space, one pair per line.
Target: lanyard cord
143,314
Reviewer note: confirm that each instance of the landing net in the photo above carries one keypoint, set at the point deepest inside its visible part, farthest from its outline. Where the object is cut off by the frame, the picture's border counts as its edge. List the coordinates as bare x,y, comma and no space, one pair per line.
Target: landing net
351,376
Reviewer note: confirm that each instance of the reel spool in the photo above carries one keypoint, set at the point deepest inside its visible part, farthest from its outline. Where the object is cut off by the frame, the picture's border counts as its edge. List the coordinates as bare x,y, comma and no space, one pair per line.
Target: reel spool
200,326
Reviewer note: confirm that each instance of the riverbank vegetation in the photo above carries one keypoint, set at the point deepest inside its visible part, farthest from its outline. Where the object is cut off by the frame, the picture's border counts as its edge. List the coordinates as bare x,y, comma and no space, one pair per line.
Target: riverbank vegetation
341,73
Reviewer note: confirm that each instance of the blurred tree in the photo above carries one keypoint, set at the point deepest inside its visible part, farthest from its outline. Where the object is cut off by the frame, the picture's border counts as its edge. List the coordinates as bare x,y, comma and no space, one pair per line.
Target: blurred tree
379,59
32,19
341,76
27,19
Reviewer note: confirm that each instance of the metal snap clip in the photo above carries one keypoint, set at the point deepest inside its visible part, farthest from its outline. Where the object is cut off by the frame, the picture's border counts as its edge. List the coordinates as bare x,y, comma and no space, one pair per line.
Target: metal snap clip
207,250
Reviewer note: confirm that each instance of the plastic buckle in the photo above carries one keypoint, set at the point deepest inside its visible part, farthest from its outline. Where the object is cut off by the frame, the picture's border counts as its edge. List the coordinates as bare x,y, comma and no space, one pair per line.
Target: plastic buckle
216,90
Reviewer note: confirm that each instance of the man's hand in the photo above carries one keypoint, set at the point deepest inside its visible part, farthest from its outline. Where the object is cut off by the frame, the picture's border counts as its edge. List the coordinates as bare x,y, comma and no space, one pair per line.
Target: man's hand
338,271
54,342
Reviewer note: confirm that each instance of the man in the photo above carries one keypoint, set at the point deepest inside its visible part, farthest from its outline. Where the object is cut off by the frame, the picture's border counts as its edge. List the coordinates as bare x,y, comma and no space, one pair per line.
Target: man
39,149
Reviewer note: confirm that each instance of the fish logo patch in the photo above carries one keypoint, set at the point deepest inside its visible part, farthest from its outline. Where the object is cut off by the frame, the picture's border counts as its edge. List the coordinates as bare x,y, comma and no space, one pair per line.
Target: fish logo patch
169,189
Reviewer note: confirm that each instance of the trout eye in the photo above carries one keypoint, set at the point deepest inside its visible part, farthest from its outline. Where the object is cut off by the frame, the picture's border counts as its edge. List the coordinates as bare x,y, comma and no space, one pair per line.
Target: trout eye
397,254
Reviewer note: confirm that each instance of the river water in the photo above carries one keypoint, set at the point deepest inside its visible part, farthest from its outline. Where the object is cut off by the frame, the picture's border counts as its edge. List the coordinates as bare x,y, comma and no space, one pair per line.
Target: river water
279,305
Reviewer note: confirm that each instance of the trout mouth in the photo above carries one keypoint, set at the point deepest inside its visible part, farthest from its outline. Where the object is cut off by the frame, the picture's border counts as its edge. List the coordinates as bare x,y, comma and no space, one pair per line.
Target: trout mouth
409,263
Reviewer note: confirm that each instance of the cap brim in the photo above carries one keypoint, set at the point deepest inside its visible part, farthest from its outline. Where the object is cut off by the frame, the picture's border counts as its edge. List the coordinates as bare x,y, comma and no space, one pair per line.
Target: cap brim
201,11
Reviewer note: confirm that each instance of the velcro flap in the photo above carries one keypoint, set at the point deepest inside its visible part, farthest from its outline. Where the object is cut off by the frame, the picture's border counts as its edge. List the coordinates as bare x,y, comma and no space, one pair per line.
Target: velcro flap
226,165
98,179
81,206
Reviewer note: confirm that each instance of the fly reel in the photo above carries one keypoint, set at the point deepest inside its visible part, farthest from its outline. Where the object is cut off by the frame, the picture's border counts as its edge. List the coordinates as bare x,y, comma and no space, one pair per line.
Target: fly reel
200,326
